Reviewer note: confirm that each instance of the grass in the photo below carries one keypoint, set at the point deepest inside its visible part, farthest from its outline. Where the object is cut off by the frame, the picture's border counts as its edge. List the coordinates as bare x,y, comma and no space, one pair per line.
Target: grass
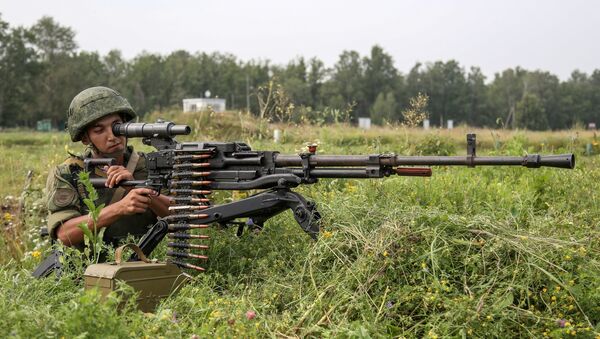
484,252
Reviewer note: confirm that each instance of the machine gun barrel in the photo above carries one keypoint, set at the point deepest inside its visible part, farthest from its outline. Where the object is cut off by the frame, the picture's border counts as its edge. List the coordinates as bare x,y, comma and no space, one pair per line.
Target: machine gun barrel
148,130
531,160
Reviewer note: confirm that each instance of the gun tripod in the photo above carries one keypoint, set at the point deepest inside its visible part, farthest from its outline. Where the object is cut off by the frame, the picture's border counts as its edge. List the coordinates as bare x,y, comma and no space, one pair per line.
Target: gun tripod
257,208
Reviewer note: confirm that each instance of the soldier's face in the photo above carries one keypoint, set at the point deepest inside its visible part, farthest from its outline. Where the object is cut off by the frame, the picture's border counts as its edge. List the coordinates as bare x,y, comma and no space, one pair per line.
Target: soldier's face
100,135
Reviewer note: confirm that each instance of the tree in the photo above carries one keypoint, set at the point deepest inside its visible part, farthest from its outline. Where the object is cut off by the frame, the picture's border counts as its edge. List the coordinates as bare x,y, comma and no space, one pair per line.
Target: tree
504,93
546,87
145,82
577,98
52,39
315,78
384,108
593,115
176,78
530,113
116,68
252,75
293,77
347,81
380,75
19,70
3,65
57,84
445,85
476,108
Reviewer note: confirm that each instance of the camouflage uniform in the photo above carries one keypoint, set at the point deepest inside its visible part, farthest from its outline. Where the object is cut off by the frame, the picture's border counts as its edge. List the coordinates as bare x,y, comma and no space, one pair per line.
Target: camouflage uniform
64,195
65,198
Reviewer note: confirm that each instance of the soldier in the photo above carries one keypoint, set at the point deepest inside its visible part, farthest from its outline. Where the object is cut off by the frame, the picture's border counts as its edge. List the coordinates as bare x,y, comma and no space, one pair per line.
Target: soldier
91,115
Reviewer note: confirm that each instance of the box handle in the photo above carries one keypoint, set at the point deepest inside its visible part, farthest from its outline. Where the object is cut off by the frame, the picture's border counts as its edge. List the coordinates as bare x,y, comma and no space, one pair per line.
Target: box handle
134,247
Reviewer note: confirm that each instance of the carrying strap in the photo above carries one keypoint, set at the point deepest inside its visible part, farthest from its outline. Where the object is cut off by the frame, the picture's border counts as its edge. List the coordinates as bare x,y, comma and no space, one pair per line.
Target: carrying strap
120,191
135,248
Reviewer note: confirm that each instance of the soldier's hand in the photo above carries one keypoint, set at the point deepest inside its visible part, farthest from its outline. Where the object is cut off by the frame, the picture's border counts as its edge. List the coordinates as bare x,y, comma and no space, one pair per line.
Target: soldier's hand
136,201
116,174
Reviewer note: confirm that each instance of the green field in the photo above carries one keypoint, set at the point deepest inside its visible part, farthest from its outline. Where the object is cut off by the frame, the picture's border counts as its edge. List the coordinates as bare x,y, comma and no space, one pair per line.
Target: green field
484,252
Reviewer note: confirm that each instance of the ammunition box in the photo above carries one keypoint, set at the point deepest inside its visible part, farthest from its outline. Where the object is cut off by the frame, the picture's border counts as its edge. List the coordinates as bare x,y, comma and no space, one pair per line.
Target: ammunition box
152,281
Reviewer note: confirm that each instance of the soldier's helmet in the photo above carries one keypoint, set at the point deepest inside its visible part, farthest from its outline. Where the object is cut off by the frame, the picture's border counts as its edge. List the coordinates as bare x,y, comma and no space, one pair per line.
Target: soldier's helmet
92,104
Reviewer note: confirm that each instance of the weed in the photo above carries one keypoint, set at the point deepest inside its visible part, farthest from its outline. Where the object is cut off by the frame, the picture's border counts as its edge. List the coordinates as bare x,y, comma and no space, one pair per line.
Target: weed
483,252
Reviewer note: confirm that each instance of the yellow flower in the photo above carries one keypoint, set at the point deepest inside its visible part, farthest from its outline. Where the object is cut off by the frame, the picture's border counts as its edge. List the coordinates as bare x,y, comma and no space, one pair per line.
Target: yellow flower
573,332
567,324
350,187
165,314
557,288
327,234
36,254
385,253
544,290
553,298
423,265
7,217
567,257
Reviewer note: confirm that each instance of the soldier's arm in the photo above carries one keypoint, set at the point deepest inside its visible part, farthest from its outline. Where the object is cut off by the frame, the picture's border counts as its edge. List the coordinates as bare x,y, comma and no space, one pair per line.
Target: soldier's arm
69,232
136,201
160,205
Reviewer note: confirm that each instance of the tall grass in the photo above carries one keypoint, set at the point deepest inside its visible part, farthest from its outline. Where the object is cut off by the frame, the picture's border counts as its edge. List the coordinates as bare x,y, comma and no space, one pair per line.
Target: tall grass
484,252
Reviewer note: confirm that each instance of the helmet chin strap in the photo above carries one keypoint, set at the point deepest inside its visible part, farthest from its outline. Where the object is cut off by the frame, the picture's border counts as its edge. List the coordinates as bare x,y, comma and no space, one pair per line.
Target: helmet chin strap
113,155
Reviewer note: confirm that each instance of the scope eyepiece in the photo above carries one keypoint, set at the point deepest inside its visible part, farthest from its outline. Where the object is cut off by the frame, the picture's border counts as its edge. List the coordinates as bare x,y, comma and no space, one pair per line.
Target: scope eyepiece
147,130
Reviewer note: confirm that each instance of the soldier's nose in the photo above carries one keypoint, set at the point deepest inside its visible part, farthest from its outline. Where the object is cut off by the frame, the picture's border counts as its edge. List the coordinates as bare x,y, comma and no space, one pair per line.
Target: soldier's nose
111,136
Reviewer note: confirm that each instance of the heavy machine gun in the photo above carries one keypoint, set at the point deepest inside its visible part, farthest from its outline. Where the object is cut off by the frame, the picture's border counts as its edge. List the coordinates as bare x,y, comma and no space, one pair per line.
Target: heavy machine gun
191,171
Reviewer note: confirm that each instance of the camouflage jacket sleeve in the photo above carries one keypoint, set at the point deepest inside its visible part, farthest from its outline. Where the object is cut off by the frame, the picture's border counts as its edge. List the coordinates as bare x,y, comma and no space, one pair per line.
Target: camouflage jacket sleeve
62,198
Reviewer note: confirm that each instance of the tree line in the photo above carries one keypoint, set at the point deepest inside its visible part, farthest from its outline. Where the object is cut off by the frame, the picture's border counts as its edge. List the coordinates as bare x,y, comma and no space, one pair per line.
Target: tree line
41,69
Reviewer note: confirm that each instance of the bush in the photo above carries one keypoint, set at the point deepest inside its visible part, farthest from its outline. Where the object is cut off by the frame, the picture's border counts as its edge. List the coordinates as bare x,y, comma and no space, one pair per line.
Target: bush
435,144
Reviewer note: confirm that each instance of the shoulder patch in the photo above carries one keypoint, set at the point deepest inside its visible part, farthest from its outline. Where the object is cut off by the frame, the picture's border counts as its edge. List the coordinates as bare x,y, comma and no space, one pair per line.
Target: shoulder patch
73,161
63,197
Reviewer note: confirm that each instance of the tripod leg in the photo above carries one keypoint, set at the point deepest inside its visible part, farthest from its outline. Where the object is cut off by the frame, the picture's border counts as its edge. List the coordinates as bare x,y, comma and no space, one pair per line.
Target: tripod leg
305,213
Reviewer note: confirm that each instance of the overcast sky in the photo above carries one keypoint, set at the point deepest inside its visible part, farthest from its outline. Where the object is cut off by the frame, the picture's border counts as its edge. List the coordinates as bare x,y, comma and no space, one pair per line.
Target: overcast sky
557,36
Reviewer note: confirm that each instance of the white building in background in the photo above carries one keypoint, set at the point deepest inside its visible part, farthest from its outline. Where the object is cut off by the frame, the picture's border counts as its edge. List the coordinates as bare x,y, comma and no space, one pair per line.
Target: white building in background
364,123
426,124
203,104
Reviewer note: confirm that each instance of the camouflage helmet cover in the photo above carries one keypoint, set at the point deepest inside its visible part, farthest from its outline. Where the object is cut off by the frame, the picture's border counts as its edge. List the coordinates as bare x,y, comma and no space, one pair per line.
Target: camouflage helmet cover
92,104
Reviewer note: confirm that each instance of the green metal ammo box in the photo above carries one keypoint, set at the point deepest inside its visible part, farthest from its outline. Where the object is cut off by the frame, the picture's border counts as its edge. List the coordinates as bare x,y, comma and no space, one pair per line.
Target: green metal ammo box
152,280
